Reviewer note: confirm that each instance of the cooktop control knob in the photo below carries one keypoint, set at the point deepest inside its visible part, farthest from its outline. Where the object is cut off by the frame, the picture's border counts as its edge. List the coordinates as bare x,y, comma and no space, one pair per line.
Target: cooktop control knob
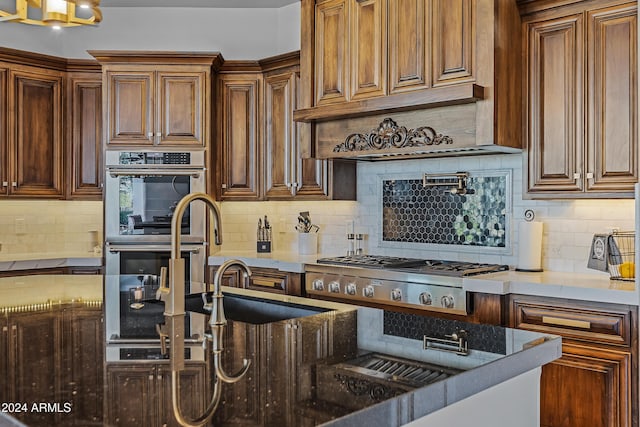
318,285
396,294
367,291
351,289
447,301
334,287
425,298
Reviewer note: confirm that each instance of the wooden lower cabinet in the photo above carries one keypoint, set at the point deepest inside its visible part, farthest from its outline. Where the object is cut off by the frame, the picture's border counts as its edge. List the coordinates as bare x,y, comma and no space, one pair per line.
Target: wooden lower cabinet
140,393
56,270
48,356
587,386
82,363
595,382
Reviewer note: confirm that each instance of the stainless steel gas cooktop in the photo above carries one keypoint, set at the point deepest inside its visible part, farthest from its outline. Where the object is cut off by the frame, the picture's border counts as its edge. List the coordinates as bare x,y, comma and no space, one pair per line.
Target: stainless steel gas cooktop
417,283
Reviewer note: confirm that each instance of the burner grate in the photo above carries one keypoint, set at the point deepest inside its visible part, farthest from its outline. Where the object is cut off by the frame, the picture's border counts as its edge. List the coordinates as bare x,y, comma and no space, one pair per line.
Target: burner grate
440,267
372,261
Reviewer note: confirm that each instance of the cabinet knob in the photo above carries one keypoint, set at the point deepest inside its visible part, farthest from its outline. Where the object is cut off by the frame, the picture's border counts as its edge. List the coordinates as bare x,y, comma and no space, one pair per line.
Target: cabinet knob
14,184
589,175
224,186
5,184
577,175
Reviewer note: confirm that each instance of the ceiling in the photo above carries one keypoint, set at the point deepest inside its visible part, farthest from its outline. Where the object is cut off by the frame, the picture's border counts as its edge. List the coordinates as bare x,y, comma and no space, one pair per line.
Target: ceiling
198,3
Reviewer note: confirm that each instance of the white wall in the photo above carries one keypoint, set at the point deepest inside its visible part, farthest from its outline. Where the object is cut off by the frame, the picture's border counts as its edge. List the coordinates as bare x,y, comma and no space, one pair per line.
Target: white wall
248,33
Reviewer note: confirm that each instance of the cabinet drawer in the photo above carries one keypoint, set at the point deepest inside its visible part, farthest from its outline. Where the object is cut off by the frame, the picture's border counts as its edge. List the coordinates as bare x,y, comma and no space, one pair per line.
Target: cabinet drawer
270,283
580,321
272,280
262,279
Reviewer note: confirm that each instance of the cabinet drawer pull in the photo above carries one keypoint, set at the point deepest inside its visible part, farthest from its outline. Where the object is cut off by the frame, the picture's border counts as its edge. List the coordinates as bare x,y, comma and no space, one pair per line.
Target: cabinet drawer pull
559,321
267,283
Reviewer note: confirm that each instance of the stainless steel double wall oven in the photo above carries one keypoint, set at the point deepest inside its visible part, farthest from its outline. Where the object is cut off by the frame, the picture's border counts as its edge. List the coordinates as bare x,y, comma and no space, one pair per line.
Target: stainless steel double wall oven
142,189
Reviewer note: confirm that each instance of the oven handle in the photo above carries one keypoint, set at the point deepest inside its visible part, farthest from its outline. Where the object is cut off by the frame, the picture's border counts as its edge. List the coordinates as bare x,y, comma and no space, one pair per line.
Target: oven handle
147,248
114,173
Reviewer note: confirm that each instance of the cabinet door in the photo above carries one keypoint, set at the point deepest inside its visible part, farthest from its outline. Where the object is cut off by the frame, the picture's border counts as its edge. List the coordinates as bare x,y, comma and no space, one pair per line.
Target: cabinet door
331,56
83,341
181,114
6,394
279,142
131,395
612,149
36,142
36,367
453,36
85,154
368,42
310,175
240,136
129,107
554,68
408,47
4,132
193,393
586,387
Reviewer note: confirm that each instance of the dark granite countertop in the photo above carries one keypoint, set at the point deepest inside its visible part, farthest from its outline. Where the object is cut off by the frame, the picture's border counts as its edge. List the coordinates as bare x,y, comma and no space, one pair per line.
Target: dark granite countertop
52,355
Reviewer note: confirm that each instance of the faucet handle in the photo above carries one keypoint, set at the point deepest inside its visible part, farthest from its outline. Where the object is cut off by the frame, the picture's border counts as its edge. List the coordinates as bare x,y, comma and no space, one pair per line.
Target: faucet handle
163,289
206,305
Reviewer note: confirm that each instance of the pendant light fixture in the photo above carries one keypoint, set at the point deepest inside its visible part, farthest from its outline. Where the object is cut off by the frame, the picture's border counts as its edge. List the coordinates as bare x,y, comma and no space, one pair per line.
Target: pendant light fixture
53,13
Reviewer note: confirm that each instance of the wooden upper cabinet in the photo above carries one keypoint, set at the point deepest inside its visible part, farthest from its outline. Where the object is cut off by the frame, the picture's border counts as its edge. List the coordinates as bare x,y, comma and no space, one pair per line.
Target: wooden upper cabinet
180,111
130,107
612,135
239,135
157,107
280,135
408,46
368,37
157,98
332,52
581,90
36,133
84,158
287,174
453,38
554,53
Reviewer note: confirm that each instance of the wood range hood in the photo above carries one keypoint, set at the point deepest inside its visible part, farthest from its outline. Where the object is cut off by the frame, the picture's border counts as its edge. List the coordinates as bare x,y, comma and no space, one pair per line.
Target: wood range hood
451,86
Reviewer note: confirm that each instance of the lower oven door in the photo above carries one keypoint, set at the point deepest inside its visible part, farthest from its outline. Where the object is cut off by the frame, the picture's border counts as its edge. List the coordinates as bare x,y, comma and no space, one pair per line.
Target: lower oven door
132,276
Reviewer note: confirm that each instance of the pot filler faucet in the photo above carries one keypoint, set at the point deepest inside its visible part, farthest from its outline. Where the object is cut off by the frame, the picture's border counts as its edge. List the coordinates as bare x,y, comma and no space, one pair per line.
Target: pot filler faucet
174,296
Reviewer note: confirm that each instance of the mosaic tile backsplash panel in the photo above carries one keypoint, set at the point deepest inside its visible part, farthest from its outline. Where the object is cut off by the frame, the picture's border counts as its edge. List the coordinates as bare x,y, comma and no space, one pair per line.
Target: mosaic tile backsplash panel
413,213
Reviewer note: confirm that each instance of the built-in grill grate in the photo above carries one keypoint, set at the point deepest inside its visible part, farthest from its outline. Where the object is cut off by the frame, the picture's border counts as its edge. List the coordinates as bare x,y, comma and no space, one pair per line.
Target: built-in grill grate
374,377
390,368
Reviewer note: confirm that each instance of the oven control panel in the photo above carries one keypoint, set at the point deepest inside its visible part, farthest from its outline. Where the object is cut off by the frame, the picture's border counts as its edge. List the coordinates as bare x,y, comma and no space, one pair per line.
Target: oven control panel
433,297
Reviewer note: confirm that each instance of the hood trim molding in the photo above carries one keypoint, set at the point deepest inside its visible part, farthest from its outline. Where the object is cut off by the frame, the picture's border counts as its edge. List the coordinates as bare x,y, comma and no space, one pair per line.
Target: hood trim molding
390,135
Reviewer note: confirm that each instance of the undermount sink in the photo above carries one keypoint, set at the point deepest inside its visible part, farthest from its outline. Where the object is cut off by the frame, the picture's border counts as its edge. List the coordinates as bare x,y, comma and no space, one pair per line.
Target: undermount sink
256,311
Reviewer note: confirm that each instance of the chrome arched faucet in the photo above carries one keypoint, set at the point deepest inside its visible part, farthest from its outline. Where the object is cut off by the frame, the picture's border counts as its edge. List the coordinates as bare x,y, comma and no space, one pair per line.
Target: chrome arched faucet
174,300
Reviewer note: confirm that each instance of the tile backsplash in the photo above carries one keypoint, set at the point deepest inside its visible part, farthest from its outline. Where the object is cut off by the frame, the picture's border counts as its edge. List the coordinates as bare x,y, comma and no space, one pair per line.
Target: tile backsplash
49,226
568,225
412,212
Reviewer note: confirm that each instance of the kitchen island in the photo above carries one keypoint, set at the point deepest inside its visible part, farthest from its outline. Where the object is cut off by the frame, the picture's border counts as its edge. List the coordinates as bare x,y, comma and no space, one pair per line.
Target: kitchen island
314,370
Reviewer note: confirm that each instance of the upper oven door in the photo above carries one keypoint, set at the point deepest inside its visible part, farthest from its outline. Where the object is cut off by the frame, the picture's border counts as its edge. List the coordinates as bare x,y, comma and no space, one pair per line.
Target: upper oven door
140,200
